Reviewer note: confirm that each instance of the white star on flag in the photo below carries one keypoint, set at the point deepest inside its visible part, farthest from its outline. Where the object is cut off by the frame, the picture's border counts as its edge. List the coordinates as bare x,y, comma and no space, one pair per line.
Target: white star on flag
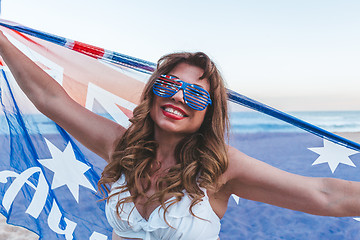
236,198
67,169
333,154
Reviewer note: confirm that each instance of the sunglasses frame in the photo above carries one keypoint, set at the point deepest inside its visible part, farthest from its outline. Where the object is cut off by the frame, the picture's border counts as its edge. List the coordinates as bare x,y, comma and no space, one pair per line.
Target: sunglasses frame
189,91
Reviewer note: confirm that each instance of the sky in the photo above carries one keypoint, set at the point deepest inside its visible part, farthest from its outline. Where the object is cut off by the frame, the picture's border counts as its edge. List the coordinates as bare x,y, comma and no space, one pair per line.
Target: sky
291,55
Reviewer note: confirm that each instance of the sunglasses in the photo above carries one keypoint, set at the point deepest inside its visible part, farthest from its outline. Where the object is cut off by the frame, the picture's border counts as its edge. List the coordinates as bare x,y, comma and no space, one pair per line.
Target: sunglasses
195,97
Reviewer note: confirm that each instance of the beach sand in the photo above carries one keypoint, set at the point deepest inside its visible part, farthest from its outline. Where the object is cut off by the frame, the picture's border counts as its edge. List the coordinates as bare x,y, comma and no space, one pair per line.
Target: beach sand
353,136
9,232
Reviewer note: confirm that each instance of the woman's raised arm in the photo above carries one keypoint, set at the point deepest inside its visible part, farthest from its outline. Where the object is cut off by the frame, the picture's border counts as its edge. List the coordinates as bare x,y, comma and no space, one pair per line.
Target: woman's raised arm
93,131
252,179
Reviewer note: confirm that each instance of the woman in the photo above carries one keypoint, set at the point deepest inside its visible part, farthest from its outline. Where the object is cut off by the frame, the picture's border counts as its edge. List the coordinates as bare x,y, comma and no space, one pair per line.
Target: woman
171,172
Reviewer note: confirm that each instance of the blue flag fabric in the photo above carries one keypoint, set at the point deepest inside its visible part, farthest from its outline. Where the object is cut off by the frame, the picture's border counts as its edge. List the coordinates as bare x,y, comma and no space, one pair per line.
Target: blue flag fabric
48,180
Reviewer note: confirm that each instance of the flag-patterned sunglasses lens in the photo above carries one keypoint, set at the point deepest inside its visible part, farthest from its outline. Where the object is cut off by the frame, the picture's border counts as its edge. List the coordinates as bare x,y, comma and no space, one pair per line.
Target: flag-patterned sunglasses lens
195,97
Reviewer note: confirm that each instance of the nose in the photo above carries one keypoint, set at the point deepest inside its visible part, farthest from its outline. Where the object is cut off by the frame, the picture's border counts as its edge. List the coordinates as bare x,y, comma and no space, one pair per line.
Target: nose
179,96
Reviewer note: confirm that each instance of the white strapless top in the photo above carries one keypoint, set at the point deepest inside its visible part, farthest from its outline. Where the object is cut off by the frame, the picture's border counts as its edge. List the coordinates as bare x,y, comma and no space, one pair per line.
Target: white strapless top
185,226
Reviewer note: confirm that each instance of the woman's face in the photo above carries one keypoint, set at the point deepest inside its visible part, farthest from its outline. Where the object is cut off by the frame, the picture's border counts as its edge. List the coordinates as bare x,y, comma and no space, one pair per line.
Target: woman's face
171,115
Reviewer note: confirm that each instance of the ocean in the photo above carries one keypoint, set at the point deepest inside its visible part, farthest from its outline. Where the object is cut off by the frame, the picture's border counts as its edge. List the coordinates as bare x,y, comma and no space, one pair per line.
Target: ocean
333,121
243,122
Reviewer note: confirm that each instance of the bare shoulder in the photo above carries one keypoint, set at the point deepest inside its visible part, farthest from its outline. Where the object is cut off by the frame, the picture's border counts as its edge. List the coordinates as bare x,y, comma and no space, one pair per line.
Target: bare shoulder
239,164
245,172
219,197
235,171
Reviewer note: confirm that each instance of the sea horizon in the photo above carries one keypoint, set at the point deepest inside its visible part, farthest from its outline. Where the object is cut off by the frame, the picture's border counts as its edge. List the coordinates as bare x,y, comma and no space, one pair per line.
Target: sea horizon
333,121
248,121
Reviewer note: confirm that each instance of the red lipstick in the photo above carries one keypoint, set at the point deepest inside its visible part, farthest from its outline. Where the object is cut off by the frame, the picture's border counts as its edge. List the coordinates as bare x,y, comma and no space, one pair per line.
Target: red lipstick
173,115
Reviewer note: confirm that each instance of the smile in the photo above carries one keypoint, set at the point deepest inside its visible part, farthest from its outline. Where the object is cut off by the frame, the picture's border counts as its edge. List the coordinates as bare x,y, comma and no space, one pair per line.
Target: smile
173,112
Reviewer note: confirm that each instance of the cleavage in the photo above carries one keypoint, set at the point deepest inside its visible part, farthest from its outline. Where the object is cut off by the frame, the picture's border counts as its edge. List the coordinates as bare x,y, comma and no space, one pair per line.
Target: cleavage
139,204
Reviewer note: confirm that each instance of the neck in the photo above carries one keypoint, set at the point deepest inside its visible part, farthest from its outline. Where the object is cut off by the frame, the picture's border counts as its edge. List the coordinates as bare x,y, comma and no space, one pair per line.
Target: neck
166,151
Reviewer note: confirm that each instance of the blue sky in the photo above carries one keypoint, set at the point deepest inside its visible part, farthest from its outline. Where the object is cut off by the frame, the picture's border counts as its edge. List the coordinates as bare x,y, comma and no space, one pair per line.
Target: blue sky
292,55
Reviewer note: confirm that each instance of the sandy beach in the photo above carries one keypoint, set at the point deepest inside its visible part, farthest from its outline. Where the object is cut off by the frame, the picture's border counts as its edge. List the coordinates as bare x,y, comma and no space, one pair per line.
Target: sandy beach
9,232
353,136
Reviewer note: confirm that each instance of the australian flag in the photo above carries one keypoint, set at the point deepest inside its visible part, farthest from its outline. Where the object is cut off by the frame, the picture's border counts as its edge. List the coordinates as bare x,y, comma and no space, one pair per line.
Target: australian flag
48,180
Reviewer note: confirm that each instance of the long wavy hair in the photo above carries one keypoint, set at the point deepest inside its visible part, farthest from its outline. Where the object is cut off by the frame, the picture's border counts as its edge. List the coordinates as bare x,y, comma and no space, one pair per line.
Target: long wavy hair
201,157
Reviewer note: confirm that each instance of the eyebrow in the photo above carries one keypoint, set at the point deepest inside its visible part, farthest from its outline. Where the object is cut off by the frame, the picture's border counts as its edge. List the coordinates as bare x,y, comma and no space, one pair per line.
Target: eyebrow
173,76
184,81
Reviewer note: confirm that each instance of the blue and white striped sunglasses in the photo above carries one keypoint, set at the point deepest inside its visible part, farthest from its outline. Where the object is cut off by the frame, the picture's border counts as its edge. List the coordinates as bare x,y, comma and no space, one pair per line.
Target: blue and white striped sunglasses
195,97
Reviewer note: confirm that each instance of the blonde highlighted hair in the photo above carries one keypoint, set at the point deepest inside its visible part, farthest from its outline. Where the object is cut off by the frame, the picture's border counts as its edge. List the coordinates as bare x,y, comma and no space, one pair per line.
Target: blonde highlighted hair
201,157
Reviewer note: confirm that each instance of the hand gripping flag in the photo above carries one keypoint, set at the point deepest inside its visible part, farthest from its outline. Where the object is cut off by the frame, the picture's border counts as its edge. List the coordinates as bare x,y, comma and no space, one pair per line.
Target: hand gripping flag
48,179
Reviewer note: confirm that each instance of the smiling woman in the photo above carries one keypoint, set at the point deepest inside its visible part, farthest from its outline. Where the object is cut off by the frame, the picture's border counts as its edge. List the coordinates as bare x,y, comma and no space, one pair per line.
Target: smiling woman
159,149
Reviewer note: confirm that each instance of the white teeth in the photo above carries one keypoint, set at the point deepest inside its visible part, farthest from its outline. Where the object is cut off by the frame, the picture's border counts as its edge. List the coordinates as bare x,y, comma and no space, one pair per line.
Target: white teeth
173,111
